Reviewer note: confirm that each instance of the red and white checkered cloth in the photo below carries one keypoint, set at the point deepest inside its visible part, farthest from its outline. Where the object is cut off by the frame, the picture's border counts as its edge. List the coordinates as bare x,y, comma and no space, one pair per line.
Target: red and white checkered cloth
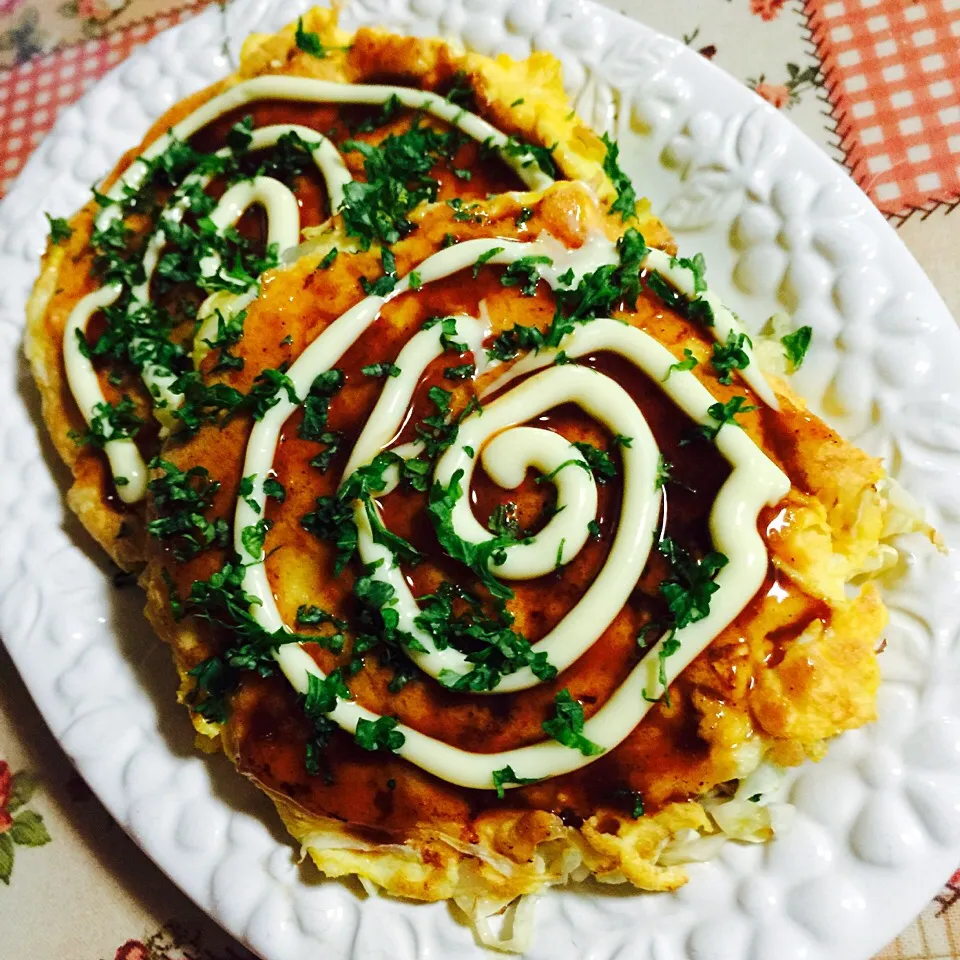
892,75
32,93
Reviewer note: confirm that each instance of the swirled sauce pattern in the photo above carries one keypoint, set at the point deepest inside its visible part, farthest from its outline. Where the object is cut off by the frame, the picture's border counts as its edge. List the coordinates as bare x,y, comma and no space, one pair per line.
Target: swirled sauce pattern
756,481
494,434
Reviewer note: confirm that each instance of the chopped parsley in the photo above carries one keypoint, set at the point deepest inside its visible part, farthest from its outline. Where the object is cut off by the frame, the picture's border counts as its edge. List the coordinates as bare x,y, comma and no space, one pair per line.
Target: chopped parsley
731,356
311,616
388,113
229,332
385,284
796,344
462,372
274,489
596,294
523,216
476,556
694,308
253,537
316,406
245,492
697,266
688,362
327,262
110,421
566,725
414,281
180,498
323,694
60,230
634,800
524,273
397,180
690,585
722,414
309,42
506,775
484,257
687,591
626,202
381,370
332,521
664,470
526,153
465,213
222,602
379,734
265,393
595,460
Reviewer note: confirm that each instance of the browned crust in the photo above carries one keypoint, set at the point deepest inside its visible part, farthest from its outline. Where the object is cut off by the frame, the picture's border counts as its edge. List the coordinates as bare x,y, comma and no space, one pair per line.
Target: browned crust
544,118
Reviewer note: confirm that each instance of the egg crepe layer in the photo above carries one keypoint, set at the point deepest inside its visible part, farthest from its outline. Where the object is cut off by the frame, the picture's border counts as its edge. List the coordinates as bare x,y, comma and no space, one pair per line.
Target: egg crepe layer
795,668
521,98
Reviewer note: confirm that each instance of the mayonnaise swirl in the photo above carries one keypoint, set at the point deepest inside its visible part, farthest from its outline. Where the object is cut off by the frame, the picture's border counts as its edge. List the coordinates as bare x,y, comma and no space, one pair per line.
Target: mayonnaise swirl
506,448
283,216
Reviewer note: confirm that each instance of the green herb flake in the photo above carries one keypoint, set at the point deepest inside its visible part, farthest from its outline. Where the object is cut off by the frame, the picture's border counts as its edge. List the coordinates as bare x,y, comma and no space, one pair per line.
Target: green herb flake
309,42
626,202
506,775
379,734
463,372
484,257
180,500
688,362
722,414
327,262
524,273
523,216
566,725
274,489
796,344
381,370
731,356
60,230
384,285
253,537
110,422
664,470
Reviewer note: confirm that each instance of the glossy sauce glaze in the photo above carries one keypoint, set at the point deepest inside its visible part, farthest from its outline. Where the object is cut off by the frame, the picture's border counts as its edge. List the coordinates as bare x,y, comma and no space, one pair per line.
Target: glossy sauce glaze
665,758
464,174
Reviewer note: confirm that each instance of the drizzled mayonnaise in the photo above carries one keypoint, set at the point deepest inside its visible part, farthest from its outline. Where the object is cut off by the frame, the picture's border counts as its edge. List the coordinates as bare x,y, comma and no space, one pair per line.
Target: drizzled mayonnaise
754,482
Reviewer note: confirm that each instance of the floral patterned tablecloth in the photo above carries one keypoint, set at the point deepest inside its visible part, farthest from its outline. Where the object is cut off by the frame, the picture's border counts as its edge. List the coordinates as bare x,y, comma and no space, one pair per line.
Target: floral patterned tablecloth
875,82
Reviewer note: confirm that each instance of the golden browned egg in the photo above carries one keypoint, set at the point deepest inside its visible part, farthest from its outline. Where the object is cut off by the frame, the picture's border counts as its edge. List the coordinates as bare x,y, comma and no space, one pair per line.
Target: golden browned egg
522,98
795,666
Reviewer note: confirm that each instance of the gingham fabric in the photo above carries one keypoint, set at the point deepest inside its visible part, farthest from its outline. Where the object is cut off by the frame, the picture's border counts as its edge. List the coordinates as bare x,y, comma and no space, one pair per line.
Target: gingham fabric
891,70
32,93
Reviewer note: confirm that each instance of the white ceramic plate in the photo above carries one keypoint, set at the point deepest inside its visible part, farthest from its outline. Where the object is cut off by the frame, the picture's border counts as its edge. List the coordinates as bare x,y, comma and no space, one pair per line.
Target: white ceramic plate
782,227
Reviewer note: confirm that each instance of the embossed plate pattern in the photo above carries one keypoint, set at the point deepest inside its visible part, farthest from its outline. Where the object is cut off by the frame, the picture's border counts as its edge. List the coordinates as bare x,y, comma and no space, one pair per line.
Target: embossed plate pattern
782,227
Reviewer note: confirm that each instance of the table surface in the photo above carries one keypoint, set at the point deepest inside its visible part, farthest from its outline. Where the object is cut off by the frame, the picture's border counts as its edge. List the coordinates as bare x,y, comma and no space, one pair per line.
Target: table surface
875,82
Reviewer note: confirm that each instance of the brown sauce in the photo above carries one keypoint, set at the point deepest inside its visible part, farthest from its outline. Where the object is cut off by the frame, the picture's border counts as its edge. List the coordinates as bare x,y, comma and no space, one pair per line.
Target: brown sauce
482,175
665,758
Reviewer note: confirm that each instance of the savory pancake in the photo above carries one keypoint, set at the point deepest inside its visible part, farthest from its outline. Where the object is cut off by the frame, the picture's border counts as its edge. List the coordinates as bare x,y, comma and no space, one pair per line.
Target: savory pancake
520,103
795,666
483,542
